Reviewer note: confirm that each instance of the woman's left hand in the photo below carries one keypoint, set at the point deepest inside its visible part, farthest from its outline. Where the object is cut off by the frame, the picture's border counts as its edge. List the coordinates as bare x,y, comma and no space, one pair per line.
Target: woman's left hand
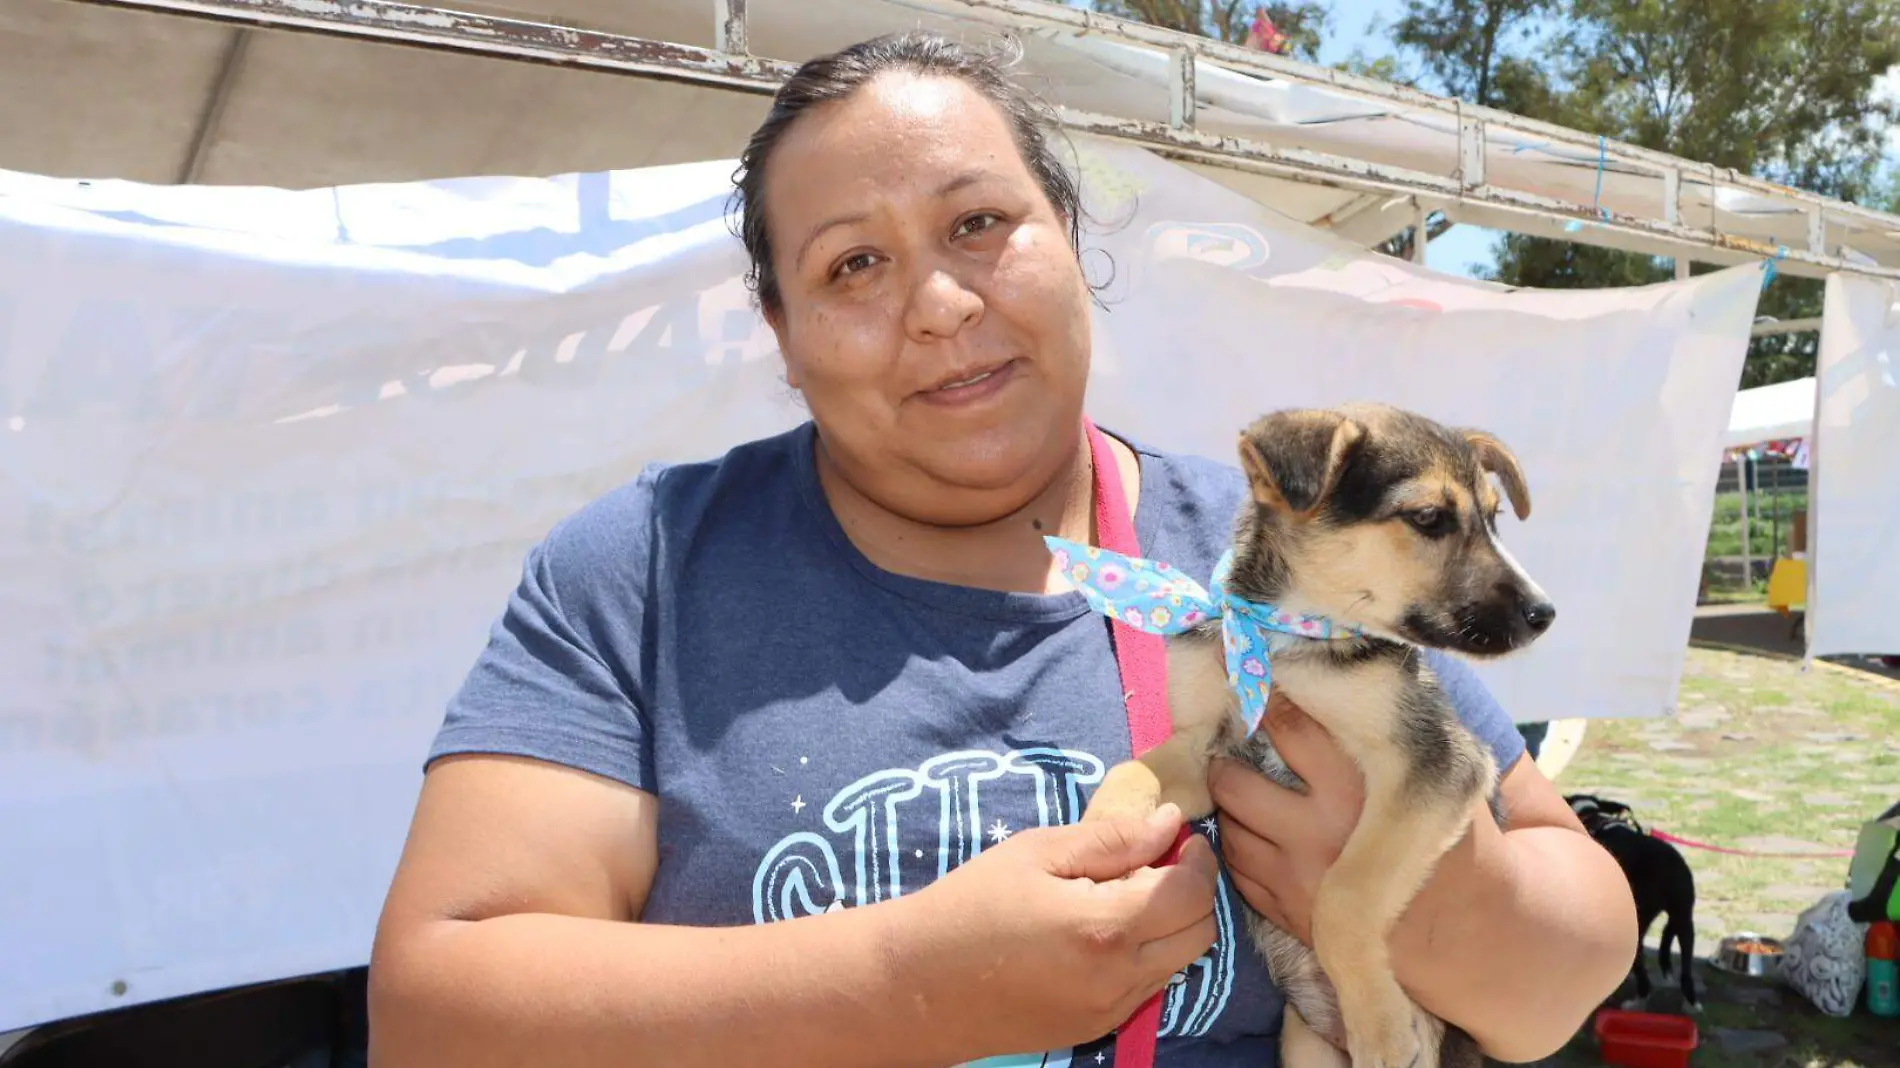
1278,843
1474,947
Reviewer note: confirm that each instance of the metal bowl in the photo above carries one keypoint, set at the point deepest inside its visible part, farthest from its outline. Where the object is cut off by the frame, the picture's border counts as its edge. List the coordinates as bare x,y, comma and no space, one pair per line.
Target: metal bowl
1765,964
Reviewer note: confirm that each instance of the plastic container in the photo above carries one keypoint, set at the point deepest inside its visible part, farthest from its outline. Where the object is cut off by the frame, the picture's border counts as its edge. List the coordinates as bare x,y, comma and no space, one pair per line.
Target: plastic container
1645,1039
1883,974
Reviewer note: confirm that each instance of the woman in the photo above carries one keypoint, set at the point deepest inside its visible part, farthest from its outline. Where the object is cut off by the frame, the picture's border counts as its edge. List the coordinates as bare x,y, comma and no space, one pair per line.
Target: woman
774,759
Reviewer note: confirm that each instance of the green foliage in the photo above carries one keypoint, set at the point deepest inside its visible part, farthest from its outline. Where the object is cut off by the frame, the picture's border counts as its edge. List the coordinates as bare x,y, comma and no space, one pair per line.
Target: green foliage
1770,517
1466,46
1563,265
1785,357
1782,89
1384,68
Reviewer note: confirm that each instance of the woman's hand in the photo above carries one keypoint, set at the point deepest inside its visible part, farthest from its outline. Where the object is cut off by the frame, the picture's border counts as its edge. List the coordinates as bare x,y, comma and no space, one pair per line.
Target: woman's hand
1475,944
1058,934
1278,842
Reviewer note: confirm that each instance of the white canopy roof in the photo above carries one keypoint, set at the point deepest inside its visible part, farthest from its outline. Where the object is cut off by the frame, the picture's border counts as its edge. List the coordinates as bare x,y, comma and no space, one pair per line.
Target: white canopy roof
129,89
1771,413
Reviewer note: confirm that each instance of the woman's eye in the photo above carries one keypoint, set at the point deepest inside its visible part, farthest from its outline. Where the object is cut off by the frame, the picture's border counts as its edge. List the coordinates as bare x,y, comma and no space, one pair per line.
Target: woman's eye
976,224
857,261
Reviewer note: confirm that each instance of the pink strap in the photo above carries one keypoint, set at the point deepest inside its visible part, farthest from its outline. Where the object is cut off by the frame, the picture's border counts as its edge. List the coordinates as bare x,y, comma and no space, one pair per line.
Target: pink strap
1665,836
1143,661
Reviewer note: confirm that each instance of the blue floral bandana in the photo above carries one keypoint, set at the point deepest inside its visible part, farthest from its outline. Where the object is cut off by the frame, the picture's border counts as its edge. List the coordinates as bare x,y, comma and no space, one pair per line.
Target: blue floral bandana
1152,596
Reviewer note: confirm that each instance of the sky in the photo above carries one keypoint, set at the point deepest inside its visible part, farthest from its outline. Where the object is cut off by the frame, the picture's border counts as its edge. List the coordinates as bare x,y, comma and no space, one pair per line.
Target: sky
1462,249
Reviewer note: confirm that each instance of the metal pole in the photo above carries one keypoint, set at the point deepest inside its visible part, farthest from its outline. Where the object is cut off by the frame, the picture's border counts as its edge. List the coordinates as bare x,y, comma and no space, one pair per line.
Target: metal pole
424,26
1181,99
421,26
1783,326
1748,564
729,28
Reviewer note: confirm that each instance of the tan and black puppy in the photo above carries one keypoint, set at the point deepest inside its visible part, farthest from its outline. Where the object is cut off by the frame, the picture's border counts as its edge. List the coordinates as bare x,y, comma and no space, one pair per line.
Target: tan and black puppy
1384,520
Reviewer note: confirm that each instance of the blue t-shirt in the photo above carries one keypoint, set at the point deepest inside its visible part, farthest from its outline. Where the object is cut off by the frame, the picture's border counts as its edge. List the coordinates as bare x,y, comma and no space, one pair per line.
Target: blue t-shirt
823,733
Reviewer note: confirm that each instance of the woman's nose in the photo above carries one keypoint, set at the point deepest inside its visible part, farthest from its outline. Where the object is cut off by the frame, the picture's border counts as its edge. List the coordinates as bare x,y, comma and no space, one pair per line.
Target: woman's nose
941,307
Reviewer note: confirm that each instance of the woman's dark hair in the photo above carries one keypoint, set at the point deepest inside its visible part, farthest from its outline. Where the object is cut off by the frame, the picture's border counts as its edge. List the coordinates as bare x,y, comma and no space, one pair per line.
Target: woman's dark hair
838,75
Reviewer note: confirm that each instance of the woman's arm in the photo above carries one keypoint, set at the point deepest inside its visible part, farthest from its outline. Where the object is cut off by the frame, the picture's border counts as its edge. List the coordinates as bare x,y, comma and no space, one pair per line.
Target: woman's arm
1516,938
509,937
1524,932
505,940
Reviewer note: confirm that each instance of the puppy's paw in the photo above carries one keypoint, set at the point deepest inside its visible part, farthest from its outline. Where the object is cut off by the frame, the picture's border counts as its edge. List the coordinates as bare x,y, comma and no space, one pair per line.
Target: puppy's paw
1394,1040
1395,1052
1192,798
1128,792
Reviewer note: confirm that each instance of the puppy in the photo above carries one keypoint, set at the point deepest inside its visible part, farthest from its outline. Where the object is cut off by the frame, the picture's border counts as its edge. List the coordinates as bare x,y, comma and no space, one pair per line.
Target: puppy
1659,879
1382,522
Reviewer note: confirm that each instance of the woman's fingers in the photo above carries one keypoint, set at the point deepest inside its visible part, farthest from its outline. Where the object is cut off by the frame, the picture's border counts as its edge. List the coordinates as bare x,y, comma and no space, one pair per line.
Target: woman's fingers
1248,853
1163,902
1165,956
1107,850
1247,797
1261,899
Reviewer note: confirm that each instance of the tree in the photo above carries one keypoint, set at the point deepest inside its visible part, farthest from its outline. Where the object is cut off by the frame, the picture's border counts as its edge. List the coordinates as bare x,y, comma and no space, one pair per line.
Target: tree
1466,50
1781,89
1465,46
1784,357
1303,23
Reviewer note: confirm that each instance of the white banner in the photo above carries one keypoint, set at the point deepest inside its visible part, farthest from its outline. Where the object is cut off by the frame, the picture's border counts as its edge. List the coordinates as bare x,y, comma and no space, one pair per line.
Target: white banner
1854,487
270,460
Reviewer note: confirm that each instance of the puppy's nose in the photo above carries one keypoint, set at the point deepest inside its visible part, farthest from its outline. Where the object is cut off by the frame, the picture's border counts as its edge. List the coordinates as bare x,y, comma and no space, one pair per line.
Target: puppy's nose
1539,615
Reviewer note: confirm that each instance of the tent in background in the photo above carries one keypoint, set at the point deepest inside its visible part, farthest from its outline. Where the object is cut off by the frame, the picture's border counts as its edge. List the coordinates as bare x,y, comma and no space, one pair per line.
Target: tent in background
1771,413
278,454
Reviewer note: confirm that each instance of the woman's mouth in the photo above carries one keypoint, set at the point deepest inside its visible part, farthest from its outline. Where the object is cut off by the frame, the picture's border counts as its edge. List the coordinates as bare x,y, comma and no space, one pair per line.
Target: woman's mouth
972,388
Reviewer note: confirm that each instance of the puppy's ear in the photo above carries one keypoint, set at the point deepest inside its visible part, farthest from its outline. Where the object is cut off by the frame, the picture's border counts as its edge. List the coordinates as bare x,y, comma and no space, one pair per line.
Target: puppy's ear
1293,460
1496,457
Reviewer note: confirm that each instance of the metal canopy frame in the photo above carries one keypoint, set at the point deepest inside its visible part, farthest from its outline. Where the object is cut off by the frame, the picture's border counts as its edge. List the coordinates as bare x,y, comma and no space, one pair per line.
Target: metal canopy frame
729,65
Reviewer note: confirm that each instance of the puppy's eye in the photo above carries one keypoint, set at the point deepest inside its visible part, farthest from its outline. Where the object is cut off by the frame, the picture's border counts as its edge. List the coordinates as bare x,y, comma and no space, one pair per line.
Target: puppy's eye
1431,522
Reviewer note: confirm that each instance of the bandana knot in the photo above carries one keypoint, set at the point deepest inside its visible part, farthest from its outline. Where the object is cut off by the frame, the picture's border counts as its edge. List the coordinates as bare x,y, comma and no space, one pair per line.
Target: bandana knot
1153,596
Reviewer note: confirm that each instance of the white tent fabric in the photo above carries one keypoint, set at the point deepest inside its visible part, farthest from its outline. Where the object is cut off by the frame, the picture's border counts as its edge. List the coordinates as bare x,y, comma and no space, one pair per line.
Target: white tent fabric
92,91
1771,413
1854,576
269,461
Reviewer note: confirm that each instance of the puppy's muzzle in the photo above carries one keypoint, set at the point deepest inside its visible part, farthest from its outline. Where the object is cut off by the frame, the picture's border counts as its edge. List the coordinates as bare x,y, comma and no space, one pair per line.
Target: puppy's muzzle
1517,616
1538,614
1510,617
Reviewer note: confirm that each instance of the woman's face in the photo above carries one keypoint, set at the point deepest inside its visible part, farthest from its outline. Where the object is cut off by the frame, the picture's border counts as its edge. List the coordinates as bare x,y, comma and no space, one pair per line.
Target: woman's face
933,314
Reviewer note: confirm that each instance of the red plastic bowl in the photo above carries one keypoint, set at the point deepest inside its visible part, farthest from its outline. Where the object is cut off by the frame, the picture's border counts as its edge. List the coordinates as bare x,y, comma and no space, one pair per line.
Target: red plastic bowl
1645,1039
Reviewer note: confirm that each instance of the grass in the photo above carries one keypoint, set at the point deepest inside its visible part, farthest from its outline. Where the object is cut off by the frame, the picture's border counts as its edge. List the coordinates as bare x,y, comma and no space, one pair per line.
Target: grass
1760,756
1757,593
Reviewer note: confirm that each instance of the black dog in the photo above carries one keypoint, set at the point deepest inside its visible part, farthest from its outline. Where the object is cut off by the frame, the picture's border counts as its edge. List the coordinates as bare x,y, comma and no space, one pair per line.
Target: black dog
1659,879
